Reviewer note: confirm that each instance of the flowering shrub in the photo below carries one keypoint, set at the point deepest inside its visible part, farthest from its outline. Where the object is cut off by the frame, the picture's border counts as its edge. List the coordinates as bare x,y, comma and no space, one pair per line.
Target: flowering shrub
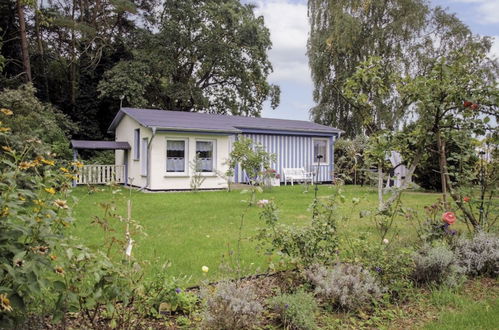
231,307
437,265
479,255
344,286
33,215
295,311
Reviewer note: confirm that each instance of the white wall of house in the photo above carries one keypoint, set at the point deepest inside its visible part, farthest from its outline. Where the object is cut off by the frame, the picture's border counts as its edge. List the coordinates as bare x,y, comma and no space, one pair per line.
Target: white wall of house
160,179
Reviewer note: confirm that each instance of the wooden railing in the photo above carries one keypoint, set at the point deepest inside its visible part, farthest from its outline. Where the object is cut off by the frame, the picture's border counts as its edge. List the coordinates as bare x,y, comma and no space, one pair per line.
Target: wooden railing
101,174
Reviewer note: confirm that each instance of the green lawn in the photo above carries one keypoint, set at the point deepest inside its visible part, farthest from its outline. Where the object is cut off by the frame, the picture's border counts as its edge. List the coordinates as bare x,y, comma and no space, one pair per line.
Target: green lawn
195,229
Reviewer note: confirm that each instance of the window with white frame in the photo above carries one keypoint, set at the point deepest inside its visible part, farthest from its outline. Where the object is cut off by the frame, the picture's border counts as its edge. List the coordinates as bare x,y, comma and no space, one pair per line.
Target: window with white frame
176,156
205,152
321,151
143,157
136,144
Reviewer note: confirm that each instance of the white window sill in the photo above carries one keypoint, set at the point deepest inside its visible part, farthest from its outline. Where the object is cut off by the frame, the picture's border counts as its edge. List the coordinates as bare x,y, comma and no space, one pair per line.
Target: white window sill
208,174
176,175
321,164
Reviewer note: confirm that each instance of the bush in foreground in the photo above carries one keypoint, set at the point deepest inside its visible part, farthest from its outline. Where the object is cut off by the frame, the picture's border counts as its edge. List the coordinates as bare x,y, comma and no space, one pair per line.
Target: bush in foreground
231,306
479,255
345,286
437,266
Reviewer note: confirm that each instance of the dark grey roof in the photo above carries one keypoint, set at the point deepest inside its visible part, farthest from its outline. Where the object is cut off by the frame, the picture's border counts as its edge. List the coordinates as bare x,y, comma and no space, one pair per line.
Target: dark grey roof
196,121
108,145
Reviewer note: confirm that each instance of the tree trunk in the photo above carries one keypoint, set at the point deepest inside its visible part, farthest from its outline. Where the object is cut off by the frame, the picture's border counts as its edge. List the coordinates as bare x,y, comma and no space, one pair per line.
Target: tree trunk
41,53
442,164
380,186
24,41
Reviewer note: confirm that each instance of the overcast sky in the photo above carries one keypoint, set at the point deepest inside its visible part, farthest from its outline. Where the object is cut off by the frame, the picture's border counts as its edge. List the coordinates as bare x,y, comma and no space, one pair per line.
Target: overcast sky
288,24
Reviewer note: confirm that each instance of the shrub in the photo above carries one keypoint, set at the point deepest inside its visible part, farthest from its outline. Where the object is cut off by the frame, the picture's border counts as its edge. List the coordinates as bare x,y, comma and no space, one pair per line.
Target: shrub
437,265
167,291
479,255
296,311
316,243
392,266
231,306
345,286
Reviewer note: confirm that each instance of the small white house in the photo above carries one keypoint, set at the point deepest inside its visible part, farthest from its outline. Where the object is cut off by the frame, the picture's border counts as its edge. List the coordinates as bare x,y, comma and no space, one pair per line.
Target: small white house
156,147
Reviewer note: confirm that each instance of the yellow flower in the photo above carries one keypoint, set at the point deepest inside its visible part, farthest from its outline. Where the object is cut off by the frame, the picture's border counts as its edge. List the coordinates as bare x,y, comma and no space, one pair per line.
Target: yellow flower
5,212
63,169
4,129
6,112
77,164
59,270
5,303
61,204
48,162
21,197
7,148
205,269
53,257
50,190
26,165
39,202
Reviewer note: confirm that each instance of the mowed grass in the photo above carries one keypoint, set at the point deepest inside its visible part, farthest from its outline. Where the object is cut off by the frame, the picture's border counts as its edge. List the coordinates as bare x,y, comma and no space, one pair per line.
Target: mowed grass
195,229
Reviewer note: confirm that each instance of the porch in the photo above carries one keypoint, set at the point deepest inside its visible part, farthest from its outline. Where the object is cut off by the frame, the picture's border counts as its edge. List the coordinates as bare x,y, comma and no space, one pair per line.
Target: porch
100,174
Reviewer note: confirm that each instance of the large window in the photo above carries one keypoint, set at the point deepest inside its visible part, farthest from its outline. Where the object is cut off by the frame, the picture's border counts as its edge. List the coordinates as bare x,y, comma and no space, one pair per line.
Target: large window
136,144
321,151
204,153
176,156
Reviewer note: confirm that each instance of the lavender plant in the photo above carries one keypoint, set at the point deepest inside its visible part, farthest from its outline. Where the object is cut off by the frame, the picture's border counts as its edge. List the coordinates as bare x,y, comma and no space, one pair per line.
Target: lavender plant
230,306
344,286
296,311
437,266
479,255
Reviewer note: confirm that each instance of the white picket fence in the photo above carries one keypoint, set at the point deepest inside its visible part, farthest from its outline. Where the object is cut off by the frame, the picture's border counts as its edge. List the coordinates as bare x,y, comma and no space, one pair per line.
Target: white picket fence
101,174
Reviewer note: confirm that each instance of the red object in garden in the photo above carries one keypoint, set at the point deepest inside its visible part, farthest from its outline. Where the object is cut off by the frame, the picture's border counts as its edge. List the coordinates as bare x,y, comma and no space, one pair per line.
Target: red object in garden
466,199
449,217
474,106
467,104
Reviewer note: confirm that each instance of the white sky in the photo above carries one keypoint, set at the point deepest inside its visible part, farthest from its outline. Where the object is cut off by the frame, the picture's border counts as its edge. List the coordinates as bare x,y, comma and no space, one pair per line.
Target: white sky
288,24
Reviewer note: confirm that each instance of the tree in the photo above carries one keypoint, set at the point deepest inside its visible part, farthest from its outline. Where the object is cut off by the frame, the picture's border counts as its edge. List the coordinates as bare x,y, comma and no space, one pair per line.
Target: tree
207,56
345,33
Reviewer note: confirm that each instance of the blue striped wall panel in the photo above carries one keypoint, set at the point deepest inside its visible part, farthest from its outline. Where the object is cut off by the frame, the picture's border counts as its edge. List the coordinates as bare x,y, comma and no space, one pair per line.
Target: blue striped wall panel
291,151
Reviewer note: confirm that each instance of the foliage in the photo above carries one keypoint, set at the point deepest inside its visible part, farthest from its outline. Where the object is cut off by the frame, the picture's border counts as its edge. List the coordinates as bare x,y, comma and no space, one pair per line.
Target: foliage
34,214
437,265
296,311
345,286
92,284
251,157
231,306
479,255
303,246
452,102
214,59
349,160
35,120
